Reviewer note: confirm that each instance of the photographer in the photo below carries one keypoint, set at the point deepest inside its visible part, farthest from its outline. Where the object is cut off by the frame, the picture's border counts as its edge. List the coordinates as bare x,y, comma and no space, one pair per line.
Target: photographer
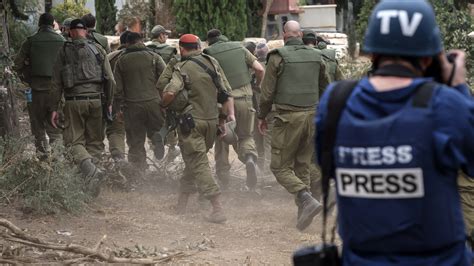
401,139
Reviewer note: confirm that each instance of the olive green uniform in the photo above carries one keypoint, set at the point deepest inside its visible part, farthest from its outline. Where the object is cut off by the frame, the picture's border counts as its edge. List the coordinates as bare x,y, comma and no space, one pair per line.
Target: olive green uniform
99,39
35,61
168,53
81,74
164,50
236,62
115,130
292,80
466,186
202,105
329,56
137,72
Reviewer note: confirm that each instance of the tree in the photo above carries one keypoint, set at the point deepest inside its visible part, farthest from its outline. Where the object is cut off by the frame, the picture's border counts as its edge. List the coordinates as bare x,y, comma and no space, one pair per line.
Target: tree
268,4
254,17
106,14
199,16
69,9
135,14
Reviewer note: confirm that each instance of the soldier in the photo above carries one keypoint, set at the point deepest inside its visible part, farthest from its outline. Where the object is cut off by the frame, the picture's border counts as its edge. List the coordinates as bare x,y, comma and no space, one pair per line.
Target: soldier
293,77
158,44
115,130
236,62
80,75
65,28
264,151
329,55
334,71
137,71
35,62
90,21
198,83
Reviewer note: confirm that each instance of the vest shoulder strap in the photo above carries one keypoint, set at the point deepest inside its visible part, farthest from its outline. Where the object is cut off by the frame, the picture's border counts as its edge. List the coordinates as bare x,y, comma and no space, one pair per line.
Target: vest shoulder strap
209,71
337,102
423,94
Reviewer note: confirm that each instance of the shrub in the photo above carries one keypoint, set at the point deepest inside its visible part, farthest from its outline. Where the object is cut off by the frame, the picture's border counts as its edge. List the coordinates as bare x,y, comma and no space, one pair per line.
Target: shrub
42,187
69,9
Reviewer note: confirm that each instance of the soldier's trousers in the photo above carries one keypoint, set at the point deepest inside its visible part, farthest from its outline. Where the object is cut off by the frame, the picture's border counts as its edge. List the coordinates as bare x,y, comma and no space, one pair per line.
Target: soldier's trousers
83,130
194,147
245,116
142,120
39,121
292,149
466,193
115,132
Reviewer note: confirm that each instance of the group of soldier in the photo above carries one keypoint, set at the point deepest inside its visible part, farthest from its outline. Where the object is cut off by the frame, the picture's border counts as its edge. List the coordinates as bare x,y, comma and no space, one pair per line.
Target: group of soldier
260,102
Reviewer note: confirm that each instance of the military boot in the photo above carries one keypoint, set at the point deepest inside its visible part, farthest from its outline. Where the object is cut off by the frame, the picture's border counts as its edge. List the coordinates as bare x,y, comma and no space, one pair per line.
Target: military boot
251,168
93,176
217,215
182,203
173,152
310,207
159,146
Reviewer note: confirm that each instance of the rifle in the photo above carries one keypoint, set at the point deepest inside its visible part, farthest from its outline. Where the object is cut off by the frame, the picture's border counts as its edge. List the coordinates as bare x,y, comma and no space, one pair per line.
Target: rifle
171,122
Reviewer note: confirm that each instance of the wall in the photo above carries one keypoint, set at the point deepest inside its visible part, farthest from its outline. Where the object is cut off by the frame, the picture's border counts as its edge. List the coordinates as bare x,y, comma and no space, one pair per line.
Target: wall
318,17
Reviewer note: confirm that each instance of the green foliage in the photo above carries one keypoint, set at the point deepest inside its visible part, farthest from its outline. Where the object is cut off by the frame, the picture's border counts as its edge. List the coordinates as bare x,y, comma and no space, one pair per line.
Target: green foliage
254,18
199,16
43,187
355,69
70,9
455,25
106,13
363,18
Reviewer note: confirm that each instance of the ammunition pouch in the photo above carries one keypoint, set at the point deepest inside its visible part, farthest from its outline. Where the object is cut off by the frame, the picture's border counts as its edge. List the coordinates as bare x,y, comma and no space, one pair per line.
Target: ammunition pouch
67,75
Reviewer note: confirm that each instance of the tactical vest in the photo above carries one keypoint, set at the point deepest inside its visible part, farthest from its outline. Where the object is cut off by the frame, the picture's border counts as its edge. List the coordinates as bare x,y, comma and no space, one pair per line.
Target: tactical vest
44,48
331,62
99,39
231,57
83,64
165,51
388,174
298,84
199,89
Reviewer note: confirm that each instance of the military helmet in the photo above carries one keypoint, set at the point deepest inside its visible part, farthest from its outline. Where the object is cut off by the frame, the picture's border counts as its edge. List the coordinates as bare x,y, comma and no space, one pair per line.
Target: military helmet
230,136
309,35
67,22
157,30
405,28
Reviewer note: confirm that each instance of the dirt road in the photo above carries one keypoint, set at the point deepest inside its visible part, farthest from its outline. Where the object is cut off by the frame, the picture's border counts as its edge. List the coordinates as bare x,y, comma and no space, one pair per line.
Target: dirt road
260,227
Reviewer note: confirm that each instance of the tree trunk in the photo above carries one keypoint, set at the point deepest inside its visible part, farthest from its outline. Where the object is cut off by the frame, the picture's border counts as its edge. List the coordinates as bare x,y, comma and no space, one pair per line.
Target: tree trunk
268,4
9,123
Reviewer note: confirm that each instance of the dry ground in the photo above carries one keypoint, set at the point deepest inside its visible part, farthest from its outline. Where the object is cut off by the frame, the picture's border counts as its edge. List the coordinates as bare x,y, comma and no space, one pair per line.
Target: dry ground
260,227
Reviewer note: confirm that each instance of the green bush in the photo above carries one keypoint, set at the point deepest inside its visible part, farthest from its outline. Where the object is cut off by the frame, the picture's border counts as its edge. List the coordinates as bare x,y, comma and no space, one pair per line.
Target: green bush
42,187
69,10
199,16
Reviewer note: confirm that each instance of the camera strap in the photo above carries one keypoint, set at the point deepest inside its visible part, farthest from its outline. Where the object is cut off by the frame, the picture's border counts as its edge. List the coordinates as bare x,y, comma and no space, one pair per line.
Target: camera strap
337,102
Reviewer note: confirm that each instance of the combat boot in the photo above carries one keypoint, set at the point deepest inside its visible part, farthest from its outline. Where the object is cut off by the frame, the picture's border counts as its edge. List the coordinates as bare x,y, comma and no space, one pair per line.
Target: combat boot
310,207
217,215
251,168
93,176
173,152
182,203
159,146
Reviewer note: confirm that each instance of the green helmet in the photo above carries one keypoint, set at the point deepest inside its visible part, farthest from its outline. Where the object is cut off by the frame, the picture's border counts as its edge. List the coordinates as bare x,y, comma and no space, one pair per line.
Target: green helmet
157,30
67,22
322,45
230,136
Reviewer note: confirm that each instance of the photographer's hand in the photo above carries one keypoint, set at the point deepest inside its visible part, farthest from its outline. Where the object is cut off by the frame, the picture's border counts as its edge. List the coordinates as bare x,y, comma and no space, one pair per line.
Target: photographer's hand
459,75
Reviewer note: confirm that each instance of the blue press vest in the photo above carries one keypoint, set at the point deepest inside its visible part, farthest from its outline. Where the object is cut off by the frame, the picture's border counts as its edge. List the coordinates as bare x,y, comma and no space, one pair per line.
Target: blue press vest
393,196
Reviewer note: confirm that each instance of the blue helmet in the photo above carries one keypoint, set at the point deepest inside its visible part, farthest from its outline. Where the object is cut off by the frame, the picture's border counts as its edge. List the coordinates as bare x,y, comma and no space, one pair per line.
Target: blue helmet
403,27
